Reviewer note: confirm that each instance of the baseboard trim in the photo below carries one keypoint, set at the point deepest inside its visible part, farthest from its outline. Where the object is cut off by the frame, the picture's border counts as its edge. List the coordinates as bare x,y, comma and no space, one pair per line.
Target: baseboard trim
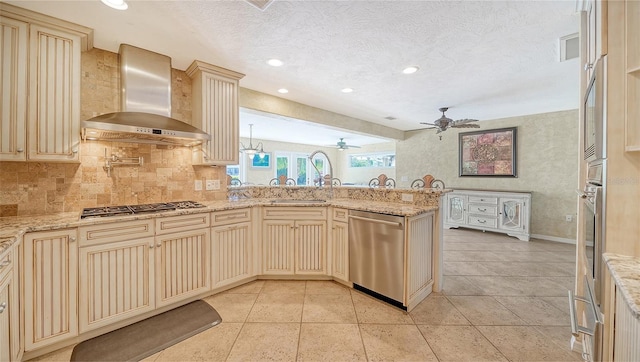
554,238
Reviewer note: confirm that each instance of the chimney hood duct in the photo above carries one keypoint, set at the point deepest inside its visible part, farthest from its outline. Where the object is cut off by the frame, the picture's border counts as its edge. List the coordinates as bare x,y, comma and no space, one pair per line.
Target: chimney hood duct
146,105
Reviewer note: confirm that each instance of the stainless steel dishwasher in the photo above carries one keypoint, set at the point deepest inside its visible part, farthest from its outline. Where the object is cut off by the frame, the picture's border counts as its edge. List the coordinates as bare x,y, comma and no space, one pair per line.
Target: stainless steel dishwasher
376,254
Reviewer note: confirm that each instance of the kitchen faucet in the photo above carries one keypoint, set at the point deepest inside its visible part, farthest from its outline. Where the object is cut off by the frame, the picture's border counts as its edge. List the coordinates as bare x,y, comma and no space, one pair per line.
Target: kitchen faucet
320,173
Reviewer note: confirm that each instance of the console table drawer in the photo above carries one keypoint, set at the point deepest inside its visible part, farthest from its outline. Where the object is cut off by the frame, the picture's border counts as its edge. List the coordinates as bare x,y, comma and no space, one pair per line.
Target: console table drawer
483,200
483,221
483,209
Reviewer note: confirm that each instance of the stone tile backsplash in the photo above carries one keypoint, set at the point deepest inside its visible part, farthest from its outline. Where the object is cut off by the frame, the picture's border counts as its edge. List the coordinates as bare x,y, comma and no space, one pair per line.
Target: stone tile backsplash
30,188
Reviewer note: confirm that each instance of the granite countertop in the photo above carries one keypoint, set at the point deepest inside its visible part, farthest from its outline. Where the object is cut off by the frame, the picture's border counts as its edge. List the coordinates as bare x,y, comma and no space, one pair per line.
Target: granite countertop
625,270
12,228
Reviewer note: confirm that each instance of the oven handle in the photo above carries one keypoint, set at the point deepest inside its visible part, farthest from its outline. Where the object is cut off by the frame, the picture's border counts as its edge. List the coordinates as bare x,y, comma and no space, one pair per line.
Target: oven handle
585,194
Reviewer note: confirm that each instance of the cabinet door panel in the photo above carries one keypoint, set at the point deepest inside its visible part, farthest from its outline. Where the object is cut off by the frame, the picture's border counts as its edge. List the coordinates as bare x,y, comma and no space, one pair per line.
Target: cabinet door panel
115,282
5,321
54,117
231,254
277,247
182,265
512,214
340,248
456,209
310,246
13,80
50,274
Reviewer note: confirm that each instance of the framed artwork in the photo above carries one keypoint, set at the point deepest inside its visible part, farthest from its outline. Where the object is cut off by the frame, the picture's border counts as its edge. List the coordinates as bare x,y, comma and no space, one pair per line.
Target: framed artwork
488,153
261,162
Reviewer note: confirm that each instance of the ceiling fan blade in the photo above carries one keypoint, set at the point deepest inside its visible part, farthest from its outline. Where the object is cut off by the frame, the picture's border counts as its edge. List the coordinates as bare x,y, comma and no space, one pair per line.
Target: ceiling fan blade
351,146
464,120
465,125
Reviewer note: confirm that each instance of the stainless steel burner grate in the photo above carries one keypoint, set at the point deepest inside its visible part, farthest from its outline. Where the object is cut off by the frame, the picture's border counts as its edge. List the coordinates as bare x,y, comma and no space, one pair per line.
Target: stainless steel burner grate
107,211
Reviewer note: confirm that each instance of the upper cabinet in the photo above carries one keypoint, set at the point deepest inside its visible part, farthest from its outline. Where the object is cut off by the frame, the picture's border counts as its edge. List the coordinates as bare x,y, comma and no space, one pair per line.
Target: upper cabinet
215,111
594,32
632,51
41,82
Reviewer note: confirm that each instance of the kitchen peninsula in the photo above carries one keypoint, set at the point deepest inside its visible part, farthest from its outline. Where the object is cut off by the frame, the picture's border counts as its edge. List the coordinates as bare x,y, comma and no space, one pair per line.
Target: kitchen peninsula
178,256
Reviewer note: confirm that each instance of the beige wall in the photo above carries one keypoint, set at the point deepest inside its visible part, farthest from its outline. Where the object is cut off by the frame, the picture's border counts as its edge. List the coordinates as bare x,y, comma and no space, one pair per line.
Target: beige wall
547,147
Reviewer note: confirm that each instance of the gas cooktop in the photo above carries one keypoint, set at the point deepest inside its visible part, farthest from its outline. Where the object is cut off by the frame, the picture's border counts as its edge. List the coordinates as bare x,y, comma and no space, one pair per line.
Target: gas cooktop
106,211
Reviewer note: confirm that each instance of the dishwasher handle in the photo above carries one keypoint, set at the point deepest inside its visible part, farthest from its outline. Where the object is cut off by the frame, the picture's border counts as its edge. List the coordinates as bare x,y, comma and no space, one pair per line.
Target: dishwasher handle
392,223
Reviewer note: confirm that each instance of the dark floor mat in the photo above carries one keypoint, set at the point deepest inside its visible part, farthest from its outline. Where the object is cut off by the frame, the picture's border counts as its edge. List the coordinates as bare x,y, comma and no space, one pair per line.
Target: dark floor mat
144,338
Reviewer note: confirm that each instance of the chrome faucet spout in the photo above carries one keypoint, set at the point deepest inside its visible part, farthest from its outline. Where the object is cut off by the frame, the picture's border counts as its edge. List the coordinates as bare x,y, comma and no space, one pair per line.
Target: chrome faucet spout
320,173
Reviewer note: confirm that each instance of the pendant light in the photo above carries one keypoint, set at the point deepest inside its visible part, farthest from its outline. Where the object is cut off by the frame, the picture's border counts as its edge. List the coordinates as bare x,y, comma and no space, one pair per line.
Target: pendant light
251,151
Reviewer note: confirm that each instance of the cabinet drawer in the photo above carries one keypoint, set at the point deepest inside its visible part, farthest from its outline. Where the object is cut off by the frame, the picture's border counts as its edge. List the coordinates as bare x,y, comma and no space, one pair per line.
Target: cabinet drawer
6,261
295,213
117,231
483,221
174,224
483,209
227,217
341,215
483,200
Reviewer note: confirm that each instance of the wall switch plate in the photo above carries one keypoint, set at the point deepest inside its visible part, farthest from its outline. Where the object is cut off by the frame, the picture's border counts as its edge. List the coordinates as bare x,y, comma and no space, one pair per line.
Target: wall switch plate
212,185
407,197
197,185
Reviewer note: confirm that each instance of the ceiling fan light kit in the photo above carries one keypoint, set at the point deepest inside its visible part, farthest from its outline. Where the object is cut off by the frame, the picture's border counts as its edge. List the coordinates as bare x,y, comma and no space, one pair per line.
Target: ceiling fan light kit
443,123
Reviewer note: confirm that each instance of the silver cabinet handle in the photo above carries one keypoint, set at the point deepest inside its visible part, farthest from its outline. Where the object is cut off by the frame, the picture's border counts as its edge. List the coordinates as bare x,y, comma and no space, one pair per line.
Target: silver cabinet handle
3,306
158,245
5,263
20,150
482,210
482,221
72,239
151,246
587,66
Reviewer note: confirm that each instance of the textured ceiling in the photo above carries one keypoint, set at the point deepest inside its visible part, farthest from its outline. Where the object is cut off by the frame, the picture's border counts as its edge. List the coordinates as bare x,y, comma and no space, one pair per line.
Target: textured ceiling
483,59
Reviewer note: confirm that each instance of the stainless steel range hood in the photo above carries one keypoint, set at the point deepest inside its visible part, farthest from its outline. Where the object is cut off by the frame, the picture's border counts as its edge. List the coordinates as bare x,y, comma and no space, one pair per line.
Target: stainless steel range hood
146,105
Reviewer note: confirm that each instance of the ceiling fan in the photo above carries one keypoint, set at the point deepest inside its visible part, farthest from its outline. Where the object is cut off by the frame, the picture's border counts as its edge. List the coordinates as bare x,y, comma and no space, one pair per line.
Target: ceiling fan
342,145
443,123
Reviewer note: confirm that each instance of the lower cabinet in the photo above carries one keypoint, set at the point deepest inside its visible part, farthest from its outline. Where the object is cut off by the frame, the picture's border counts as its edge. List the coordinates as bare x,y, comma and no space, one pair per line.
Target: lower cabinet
116,282
292,245
181,265
498,211
419,261
50,287
232,249
10,337
340,245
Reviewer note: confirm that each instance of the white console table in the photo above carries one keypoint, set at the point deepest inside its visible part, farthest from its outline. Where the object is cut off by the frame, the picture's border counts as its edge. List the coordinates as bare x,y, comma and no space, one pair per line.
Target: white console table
500,211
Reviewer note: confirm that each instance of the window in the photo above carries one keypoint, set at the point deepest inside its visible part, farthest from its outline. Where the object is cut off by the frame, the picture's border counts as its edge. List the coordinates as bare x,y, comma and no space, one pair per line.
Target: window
298,167
372,160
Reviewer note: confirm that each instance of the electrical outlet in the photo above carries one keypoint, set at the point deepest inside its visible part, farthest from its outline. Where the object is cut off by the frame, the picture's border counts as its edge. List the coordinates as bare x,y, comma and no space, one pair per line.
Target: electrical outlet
568,218
407,197
197,185
212,185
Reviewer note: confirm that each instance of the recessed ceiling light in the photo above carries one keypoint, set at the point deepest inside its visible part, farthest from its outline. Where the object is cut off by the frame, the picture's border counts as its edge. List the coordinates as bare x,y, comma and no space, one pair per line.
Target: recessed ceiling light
116,4
410,70
347,90
283,90
275,62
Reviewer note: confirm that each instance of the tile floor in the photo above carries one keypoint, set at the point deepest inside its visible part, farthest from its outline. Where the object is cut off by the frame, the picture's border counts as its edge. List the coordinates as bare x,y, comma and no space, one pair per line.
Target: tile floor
503,300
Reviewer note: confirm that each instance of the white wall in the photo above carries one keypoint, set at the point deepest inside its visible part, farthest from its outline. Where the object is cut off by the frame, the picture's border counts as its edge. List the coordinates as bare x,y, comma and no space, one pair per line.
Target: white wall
362,176
547,164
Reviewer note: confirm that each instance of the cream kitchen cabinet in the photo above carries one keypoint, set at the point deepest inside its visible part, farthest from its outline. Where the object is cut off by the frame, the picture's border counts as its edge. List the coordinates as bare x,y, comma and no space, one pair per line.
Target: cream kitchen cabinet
42,119
340,244
116,272
294,241
182,257
232,247
504,212
215,111
50,287
10,336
